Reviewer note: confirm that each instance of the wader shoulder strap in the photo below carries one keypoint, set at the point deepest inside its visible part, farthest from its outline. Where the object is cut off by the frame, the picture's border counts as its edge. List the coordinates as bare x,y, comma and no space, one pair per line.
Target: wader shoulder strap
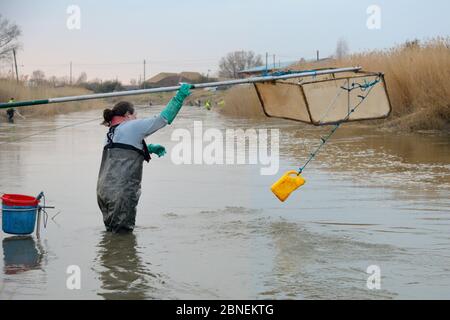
110,145
147,157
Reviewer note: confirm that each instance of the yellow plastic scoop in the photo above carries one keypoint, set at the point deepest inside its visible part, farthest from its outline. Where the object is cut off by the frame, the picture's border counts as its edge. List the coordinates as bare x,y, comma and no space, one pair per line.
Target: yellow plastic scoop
287,184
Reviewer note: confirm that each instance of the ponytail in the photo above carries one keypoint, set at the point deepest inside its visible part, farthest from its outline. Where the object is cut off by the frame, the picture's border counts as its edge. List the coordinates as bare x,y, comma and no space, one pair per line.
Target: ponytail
108,114
120,109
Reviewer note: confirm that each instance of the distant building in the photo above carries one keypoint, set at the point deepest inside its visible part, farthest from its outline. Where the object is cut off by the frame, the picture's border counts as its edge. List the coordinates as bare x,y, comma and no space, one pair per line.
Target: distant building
165,79
193,76
160,77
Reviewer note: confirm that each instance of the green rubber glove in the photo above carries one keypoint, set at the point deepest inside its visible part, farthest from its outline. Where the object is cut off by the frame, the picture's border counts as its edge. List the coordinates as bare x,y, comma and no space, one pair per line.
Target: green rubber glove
157,149
174,105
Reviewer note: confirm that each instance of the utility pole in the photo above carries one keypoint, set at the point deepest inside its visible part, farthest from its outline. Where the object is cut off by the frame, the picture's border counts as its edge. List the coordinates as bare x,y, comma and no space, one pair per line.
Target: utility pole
317,53
70,73
267,57
274,66
15,62
144,76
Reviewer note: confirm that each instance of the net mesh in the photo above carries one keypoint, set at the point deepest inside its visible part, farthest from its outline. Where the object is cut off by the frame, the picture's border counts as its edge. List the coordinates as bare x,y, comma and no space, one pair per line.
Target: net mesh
283,100
326,99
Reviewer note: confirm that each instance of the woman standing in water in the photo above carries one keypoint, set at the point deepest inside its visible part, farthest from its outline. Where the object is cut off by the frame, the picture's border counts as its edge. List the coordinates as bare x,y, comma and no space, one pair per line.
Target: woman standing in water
119,180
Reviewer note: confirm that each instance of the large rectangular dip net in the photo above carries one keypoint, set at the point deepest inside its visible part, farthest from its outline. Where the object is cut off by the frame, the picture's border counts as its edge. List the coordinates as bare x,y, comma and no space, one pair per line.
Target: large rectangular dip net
326,99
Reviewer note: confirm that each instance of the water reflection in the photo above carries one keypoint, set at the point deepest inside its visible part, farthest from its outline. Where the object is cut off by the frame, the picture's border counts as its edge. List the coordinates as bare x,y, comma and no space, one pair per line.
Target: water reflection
311,265
124,275
21,254
398,158
371,181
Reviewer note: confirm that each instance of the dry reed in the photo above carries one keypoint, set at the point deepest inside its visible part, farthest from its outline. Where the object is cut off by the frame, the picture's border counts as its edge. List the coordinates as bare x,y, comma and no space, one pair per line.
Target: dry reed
417,77
18,91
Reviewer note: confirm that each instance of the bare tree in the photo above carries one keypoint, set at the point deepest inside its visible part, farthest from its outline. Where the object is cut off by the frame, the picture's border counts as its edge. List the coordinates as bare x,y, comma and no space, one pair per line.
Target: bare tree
62,81
82,78
9,33
233,62
413,44
342,48
38,77
53,80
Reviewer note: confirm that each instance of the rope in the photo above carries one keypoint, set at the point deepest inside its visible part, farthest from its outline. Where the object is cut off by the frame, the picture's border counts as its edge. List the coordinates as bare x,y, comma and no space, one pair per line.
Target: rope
366,87
53,129
331,105
49,130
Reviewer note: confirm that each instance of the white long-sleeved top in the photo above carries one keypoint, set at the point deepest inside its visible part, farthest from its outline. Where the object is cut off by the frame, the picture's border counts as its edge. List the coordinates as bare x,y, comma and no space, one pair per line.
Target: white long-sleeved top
132,132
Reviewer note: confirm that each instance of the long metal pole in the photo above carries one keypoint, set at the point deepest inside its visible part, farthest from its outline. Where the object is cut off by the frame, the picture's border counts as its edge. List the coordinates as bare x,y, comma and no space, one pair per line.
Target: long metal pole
175,88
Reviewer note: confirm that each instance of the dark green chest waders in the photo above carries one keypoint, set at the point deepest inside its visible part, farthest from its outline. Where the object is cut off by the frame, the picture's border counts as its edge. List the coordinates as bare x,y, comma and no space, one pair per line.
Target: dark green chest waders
119,183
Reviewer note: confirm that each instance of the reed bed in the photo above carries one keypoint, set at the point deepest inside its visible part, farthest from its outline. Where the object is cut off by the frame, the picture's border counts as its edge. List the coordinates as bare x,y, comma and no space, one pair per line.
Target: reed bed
417,77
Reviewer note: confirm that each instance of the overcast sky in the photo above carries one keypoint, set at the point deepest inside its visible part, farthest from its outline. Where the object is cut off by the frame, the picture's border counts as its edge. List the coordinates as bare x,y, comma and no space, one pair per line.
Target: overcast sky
115,36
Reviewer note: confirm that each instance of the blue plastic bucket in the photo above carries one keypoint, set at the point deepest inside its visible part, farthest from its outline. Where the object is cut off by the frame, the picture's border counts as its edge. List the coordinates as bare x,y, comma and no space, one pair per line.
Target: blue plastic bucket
19,214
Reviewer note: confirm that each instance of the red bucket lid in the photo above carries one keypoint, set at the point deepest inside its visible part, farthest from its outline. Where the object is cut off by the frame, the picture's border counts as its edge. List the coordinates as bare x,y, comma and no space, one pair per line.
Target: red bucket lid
19,200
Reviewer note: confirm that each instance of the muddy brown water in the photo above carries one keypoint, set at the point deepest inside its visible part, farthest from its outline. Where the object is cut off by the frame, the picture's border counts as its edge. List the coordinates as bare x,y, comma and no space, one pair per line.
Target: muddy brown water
217,232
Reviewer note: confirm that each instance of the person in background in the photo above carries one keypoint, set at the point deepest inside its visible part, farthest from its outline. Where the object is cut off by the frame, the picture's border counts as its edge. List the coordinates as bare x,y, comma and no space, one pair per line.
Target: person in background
124,152
208,105
10,112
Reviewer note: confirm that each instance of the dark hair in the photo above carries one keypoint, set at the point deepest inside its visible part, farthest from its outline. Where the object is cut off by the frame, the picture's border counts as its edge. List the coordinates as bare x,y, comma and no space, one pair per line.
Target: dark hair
120,109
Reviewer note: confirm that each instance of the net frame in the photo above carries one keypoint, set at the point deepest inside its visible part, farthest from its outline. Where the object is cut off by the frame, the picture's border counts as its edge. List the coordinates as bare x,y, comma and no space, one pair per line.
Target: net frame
305,103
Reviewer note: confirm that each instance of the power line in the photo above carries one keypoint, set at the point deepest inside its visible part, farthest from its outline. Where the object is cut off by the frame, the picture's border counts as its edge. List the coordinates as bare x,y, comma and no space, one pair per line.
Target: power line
124,63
